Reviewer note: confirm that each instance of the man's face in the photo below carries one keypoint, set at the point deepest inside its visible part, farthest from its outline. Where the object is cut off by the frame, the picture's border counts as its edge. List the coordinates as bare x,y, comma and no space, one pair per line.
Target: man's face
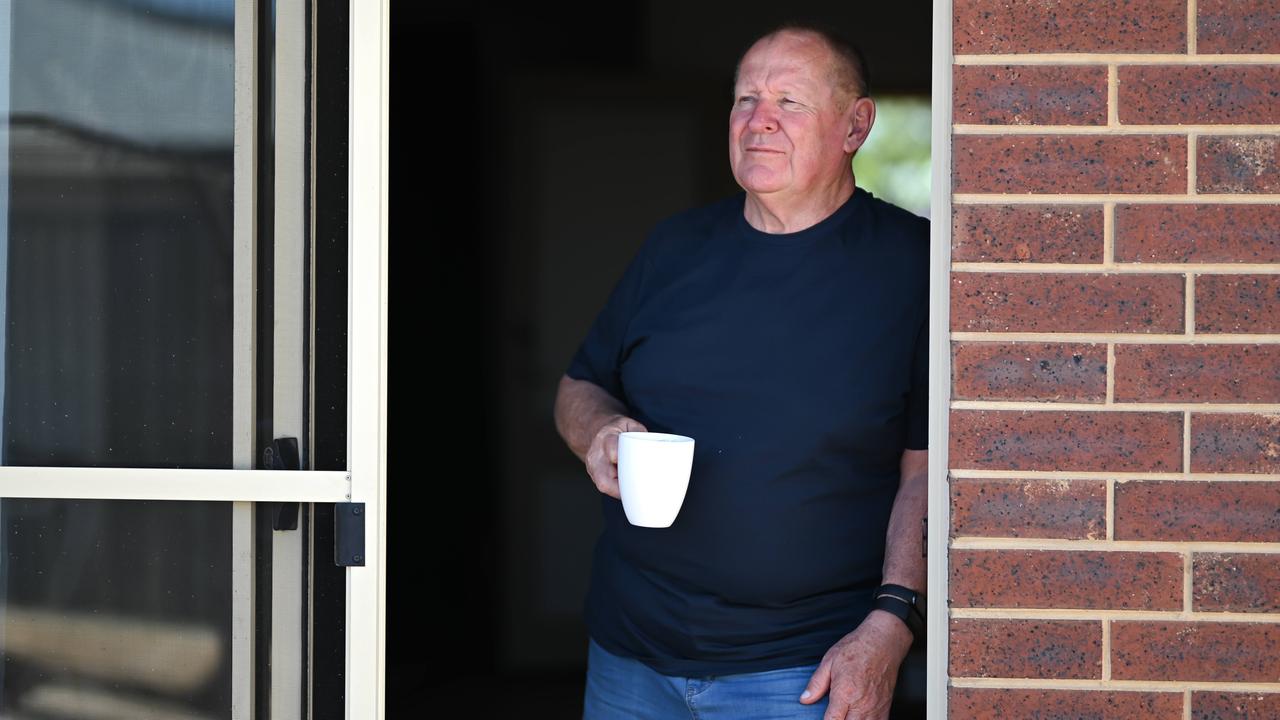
788,130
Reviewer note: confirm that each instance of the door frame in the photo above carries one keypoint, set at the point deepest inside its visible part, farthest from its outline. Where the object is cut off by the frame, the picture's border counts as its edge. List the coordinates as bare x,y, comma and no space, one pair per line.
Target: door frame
939,514
367,351
364,481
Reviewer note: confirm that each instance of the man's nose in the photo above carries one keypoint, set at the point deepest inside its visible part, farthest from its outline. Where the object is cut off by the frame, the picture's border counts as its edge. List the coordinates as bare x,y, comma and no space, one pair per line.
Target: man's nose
763,119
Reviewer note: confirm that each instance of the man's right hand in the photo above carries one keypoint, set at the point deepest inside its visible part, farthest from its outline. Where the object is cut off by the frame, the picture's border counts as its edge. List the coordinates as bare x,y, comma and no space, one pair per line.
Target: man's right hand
602,456
580,408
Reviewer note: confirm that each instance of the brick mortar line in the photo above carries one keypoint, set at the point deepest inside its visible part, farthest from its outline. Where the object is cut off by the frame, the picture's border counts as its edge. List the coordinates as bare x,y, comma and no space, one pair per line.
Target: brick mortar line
1141,546
1119,338
1190,311
1171,408
1111,374
1186,443
1099,198
1187,587
1106,650
1192,30
1193,140
1107,616
1123,476
1113,96
1073,59
1186,705
1108,235
1130,129
1125,268
1116,685
1109,512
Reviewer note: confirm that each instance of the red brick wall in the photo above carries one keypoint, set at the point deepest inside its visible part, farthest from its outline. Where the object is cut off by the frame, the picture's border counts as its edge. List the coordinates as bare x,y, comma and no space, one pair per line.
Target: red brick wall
1115,317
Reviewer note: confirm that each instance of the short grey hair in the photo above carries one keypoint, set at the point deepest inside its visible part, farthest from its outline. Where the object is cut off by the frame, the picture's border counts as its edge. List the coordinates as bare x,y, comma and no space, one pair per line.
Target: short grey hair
850,73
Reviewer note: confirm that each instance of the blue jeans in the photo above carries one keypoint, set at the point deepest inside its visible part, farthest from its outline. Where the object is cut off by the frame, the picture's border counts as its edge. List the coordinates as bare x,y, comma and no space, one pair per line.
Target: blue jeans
620,688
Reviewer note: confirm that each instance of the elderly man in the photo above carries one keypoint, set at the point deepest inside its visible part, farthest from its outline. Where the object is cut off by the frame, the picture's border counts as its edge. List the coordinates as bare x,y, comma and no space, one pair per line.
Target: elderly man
785,330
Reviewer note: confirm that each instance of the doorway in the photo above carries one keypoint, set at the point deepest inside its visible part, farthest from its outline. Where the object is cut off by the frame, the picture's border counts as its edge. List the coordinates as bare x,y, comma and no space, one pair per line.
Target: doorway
556,125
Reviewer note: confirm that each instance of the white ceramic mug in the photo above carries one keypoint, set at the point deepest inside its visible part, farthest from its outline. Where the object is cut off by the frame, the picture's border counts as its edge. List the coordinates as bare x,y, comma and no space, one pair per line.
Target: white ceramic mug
653,474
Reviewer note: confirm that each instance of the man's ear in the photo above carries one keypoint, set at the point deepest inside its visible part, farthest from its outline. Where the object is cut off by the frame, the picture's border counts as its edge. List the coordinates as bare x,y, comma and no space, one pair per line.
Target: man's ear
861,116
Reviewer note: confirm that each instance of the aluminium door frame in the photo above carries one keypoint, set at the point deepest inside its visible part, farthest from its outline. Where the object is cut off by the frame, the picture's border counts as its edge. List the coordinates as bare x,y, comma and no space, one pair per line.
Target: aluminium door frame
939,361
365,479
367,350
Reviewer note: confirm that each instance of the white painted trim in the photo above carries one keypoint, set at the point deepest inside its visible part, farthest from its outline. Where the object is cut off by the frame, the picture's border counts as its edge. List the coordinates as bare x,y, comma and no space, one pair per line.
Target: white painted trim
367,351
288,356
309,609
308,462
939,361
95,483
244,333
290,204
245,237
286,623
242,611
310,301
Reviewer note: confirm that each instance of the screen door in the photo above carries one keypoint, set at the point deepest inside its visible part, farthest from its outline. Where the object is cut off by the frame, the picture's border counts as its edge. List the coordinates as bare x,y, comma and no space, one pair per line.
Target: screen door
156,286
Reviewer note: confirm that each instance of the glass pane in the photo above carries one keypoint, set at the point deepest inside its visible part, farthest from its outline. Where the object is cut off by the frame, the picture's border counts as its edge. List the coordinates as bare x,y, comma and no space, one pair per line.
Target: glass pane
115,232
115,291
115,609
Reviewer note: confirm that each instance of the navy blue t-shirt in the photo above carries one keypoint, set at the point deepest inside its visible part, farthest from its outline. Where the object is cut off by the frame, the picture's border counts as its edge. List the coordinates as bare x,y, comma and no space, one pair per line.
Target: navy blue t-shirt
798,363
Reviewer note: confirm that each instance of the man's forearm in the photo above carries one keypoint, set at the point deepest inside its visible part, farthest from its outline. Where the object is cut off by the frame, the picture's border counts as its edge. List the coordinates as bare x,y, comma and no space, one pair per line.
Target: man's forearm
904,561
582,408
864,664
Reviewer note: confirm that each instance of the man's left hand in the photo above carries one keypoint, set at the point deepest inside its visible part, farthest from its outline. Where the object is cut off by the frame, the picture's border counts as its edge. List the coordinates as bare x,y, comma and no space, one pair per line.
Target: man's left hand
861,670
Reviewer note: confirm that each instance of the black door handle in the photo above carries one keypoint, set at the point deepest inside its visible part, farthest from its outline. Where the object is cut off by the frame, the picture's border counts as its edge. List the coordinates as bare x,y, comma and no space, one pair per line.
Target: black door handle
282,454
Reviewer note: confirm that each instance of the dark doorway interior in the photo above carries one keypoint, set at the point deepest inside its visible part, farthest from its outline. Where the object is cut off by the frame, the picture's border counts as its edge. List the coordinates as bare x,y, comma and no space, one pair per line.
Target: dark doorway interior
531,148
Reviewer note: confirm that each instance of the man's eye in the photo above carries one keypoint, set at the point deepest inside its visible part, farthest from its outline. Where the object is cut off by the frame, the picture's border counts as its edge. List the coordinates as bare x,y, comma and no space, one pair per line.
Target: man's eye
745,99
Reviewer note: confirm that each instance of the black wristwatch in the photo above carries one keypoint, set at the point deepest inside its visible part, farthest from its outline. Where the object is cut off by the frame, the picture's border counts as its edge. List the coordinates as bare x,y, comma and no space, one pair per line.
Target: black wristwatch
904,604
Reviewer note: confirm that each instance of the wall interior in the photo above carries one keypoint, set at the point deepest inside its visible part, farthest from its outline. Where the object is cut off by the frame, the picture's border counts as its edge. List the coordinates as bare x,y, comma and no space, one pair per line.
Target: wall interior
1115,316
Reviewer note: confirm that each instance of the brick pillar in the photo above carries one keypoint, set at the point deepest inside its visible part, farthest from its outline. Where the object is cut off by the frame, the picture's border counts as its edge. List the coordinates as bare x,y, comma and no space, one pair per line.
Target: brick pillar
1115,310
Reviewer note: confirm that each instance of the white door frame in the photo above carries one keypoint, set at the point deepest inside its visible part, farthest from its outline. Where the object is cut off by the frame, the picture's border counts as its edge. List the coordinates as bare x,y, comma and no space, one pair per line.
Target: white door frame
939,361
365,480
244,410
367,351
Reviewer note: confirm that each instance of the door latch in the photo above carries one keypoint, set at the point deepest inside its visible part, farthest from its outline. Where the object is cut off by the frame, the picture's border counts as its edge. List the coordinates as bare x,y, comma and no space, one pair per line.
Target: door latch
348,533
282,454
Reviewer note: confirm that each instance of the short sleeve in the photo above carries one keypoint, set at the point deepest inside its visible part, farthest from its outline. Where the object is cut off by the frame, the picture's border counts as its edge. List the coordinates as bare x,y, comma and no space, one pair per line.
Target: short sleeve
599,357
918,395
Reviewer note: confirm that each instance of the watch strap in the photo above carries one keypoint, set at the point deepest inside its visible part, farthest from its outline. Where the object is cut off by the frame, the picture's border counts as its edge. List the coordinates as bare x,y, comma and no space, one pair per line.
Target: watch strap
902,603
